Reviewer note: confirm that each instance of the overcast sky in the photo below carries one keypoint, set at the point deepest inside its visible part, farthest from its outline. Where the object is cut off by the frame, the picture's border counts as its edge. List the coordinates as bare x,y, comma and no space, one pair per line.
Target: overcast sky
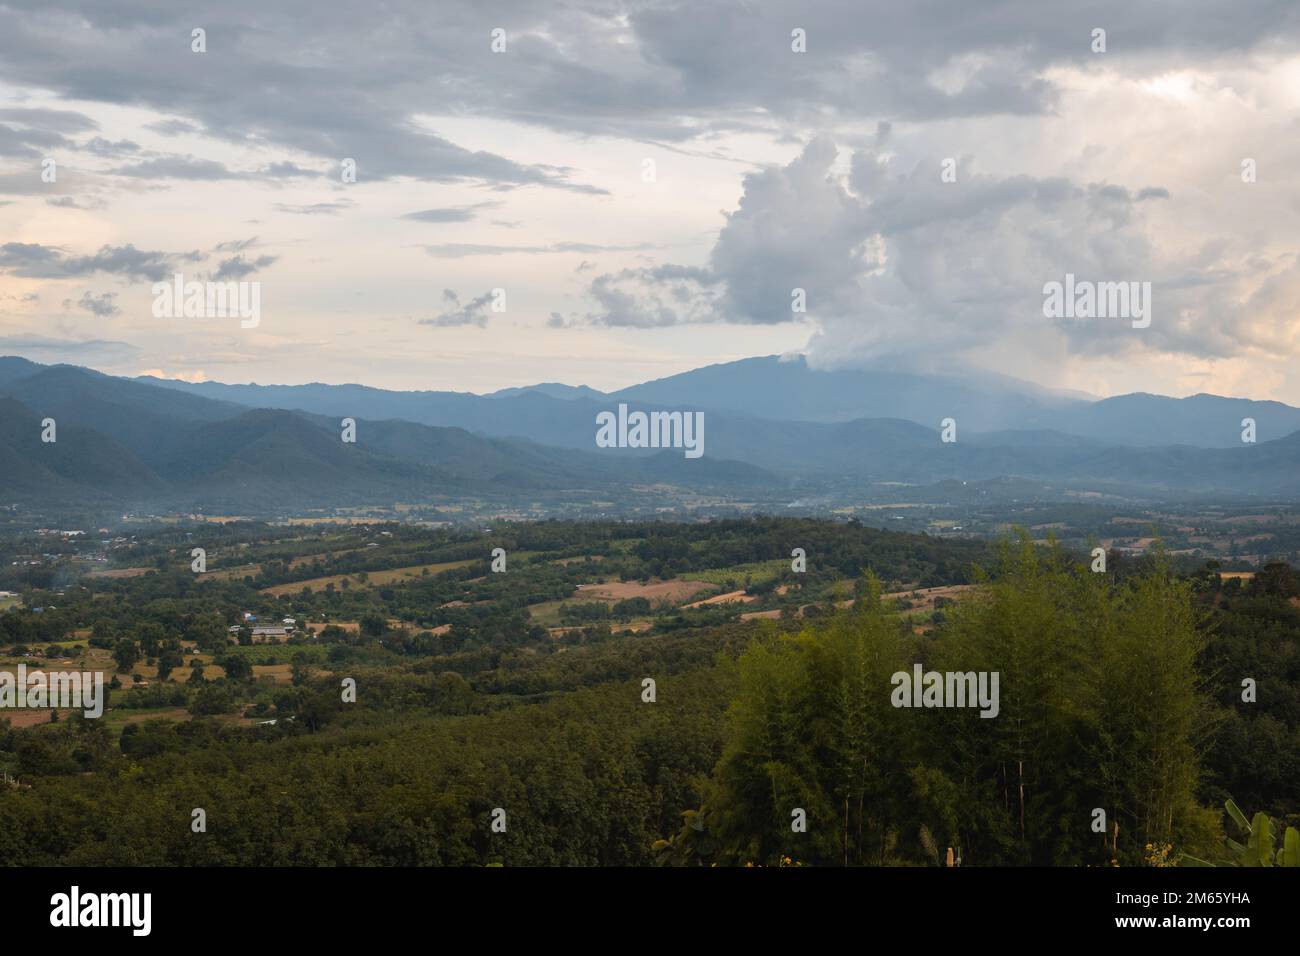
648,182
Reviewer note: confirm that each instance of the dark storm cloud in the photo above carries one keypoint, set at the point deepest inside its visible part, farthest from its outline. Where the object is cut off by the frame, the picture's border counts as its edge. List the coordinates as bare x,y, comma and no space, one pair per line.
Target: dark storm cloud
335,80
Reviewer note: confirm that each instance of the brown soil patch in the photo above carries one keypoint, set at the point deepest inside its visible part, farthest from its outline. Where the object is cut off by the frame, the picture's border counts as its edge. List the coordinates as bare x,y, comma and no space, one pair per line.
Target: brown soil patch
731,597
924,597
172,713
279,673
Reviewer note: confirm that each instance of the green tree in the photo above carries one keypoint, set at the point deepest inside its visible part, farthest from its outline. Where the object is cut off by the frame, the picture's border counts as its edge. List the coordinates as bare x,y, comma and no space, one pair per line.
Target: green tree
127,654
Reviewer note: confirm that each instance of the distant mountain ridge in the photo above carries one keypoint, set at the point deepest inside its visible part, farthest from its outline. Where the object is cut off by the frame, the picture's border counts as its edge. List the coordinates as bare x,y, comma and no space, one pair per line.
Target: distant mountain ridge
553,389
128,441
279,447
790,390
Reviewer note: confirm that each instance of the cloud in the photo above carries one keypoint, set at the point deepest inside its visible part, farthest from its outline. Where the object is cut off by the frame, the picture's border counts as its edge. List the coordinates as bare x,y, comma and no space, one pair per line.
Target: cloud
451,214
174,127
101,305
655,297
331,104
460,250
28,344
316,209
179,167
72,202
19,143
288,170
61,121
235,245
896,263
237,267
663,71
110,148
473,312
36,261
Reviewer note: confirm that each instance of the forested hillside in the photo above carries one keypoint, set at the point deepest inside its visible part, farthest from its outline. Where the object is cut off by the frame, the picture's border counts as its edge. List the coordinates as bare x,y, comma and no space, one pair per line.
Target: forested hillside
480,693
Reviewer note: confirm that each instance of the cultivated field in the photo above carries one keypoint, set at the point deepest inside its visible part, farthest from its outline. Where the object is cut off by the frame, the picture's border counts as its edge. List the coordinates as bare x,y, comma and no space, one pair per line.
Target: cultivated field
373,578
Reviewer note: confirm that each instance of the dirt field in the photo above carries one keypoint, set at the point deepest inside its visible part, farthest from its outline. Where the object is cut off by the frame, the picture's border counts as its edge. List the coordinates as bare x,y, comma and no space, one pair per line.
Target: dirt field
731,597
32,717
924,599
119,573
279,673
172,713
673,591
352,627
614,627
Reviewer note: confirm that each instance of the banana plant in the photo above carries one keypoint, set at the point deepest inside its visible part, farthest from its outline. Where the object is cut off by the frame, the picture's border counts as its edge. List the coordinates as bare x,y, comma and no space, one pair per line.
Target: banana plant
1258,850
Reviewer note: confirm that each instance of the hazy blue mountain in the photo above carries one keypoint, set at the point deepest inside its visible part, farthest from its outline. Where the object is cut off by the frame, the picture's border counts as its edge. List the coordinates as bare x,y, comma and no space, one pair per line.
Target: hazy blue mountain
145,419
1207,421
351,401
226,456
552,389
279,445
13,368
772,387
80,464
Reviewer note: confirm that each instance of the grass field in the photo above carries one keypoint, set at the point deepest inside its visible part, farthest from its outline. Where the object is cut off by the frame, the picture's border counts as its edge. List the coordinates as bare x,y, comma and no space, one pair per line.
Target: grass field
760,572
259,654
236,573
373,578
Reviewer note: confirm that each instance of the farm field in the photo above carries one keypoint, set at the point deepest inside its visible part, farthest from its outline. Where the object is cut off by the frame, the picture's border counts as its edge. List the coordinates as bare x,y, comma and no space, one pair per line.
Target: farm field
373,578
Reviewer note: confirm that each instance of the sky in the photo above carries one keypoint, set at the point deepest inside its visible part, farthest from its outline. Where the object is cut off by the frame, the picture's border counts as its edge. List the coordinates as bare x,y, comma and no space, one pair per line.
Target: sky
605,193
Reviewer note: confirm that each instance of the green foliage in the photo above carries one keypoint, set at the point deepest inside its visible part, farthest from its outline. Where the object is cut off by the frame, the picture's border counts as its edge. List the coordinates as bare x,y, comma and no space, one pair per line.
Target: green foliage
1260,848
1100,707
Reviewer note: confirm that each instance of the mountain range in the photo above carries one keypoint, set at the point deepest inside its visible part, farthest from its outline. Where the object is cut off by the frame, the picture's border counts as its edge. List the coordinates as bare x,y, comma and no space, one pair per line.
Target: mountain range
773,427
